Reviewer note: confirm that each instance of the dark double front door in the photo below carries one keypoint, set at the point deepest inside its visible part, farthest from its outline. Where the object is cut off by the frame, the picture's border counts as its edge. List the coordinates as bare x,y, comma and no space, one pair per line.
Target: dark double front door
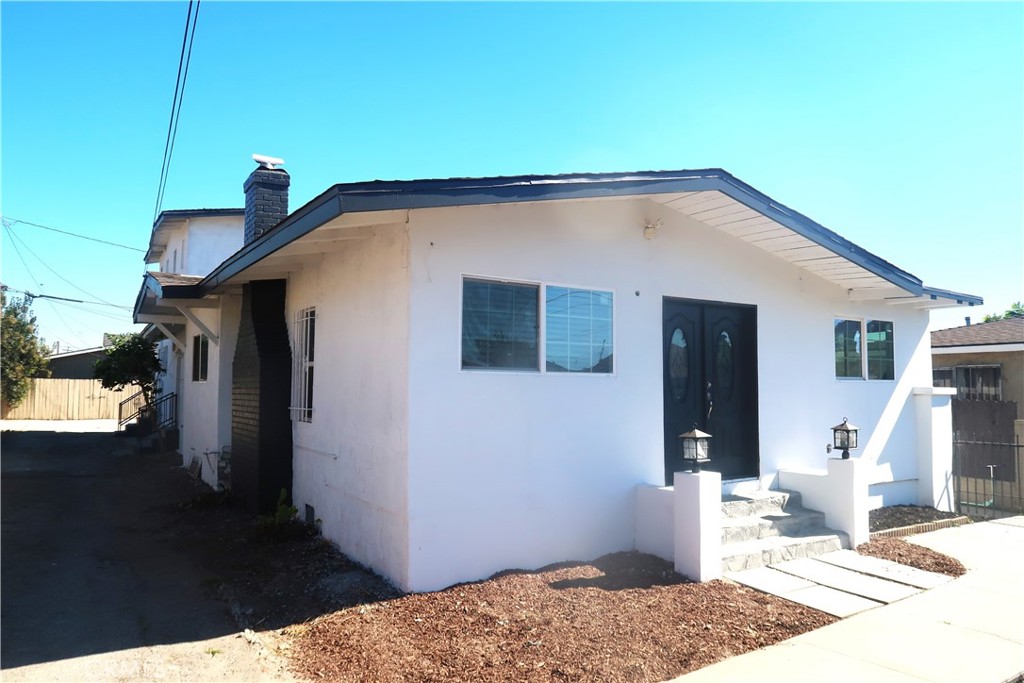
710,380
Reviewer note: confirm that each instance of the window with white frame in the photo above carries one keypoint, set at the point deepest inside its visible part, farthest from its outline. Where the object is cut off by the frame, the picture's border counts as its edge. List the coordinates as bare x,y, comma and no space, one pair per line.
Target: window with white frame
864,348
303,344
578,330
200,357
499,325
501,330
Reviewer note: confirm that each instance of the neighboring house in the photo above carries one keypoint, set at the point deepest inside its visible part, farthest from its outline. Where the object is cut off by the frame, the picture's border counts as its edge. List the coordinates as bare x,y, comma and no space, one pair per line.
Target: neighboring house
75,364
183,242
460,376
983,362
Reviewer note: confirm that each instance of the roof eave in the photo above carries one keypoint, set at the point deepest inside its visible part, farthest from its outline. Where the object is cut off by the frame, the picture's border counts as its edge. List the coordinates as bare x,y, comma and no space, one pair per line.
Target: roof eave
391,195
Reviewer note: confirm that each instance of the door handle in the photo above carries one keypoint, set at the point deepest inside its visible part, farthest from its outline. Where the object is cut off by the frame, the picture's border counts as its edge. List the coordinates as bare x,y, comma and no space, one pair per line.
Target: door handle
711,404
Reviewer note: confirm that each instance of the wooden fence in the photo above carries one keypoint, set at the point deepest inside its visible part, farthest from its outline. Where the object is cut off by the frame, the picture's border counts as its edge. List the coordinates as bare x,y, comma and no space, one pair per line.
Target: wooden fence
67,399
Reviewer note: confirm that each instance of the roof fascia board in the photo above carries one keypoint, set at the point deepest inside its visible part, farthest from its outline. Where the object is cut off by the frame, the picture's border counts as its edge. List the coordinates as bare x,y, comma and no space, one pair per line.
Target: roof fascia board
968,299
999,347
380,196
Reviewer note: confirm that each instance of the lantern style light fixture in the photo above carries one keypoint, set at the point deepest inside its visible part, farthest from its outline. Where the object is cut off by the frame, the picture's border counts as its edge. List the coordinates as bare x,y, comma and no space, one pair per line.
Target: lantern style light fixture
844,437
696,448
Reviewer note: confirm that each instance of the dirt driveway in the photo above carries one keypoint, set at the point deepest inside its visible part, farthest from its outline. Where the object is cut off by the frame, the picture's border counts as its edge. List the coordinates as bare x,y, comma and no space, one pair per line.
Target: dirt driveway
100,579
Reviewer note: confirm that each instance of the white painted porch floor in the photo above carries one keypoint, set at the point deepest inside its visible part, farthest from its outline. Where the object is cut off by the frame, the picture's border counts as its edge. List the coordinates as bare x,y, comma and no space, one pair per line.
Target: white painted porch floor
840,583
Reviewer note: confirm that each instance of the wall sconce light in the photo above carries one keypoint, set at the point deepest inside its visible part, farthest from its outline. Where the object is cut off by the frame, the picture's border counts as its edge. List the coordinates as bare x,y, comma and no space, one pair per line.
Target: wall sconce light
844,437
696,448
651,228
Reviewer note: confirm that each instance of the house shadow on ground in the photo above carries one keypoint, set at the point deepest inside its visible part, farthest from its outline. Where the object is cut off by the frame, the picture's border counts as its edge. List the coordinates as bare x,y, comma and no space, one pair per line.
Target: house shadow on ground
106,549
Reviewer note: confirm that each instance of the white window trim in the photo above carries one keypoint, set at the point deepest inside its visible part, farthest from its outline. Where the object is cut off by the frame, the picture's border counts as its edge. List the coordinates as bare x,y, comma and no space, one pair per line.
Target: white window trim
299,333
864,348
541,328
197,343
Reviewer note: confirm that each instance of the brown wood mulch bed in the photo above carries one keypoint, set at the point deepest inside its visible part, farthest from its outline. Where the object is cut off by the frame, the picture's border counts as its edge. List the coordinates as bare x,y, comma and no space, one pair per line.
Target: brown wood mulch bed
623,617
905,552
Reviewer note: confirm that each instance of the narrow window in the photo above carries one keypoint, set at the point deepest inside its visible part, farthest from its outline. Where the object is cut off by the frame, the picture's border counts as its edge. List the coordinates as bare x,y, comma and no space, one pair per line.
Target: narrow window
881,350
499,325
848,348
578,330
200,357
303,345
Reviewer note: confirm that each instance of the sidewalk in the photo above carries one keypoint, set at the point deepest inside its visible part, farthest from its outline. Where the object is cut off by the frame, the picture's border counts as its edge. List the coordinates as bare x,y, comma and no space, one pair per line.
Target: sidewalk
968,630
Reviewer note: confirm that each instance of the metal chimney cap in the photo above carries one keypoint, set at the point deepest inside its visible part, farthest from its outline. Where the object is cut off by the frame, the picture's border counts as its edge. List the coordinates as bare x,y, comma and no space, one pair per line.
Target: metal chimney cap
267,162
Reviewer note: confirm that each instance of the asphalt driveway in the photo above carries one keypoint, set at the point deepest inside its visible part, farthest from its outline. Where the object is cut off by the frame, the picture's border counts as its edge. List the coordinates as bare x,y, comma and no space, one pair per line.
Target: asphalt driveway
98,579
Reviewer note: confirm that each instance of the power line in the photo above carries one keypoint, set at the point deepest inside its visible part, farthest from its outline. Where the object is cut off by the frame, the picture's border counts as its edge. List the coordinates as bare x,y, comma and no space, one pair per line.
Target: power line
62,298
179,95
15,236
18,252
8,219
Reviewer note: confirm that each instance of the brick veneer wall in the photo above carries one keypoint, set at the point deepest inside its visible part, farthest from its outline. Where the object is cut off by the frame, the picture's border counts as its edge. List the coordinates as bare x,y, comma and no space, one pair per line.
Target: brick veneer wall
266,200
261,431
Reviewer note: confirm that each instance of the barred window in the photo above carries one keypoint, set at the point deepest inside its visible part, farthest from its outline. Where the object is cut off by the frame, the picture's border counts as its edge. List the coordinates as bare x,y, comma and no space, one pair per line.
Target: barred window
303,338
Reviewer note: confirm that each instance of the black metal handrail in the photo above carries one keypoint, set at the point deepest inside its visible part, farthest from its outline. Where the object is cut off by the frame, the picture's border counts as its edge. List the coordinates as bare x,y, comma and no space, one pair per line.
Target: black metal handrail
130,408
164,410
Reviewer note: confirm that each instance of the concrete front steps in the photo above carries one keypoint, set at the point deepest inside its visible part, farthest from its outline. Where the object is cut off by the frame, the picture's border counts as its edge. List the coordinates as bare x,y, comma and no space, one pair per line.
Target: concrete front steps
770,527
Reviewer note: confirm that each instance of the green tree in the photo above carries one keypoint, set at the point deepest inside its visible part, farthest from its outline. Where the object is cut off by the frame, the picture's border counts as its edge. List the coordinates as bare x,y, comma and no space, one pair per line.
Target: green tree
1014,311
22,352
130,360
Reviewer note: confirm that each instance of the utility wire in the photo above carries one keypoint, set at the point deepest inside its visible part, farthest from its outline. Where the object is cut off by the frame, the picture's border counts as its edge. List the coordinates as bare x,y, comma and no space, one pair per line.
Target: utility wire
184,59
14,244
8,220
47,266
61,298
38,284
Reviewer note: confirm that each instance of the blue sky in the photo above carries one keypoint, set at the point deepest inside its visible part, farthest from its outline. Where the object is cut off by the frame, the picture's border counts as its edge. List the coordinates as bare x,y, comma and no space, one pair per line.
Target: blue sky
897,125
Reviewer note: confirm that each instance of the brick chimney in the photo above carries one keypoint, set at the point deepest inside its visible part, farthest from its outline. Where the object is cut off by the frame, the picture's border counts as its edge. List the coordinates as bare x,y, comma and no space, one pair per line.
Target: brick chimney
266,197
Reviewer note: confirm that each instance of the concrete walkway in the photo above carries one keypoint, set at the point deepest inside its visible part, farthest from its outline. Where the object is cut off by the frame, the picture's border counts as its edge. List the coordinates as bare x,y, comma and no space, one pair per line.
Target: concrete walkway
841,583
969,629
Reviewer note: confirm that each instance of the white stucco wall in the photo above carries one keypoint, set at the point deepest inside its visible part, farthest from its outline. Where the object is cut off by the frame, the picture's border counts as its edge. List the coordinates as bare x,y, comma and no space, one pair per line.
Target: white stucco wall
210,241
520,469
200,404
173,260
350,462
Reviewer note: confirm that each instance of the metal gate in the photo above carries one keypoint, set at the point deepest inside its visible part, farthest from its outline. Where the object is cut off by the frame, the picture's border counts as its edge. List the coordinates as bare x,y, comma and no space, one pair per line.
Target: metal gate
988,476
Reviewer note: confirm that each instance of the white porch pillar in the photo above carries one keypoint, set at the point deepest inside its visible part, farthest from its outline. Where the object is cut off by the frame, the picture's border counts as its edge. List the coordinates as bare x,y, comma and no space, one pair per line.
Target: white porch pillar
934,417
848,511
698,525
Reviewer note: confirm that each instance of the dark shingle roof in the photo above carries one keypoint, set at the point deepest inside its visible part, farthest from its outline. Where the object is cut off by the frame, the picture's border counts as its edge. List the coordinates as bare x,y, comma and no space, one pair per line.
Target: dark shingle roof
174,279
1009,331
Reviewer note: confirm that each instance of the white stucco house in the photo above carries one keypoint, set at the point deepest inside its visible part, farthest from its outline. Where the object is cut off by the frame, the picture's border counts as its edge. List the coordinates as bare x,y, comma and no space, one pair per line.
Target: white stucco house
461,376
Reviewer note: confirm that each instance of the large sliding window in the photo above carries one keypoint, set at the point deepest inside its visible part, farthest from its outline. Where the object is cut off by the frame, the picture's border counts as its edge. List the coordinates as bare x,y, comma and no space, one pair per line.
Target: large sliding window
501,327
864,348
578,334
